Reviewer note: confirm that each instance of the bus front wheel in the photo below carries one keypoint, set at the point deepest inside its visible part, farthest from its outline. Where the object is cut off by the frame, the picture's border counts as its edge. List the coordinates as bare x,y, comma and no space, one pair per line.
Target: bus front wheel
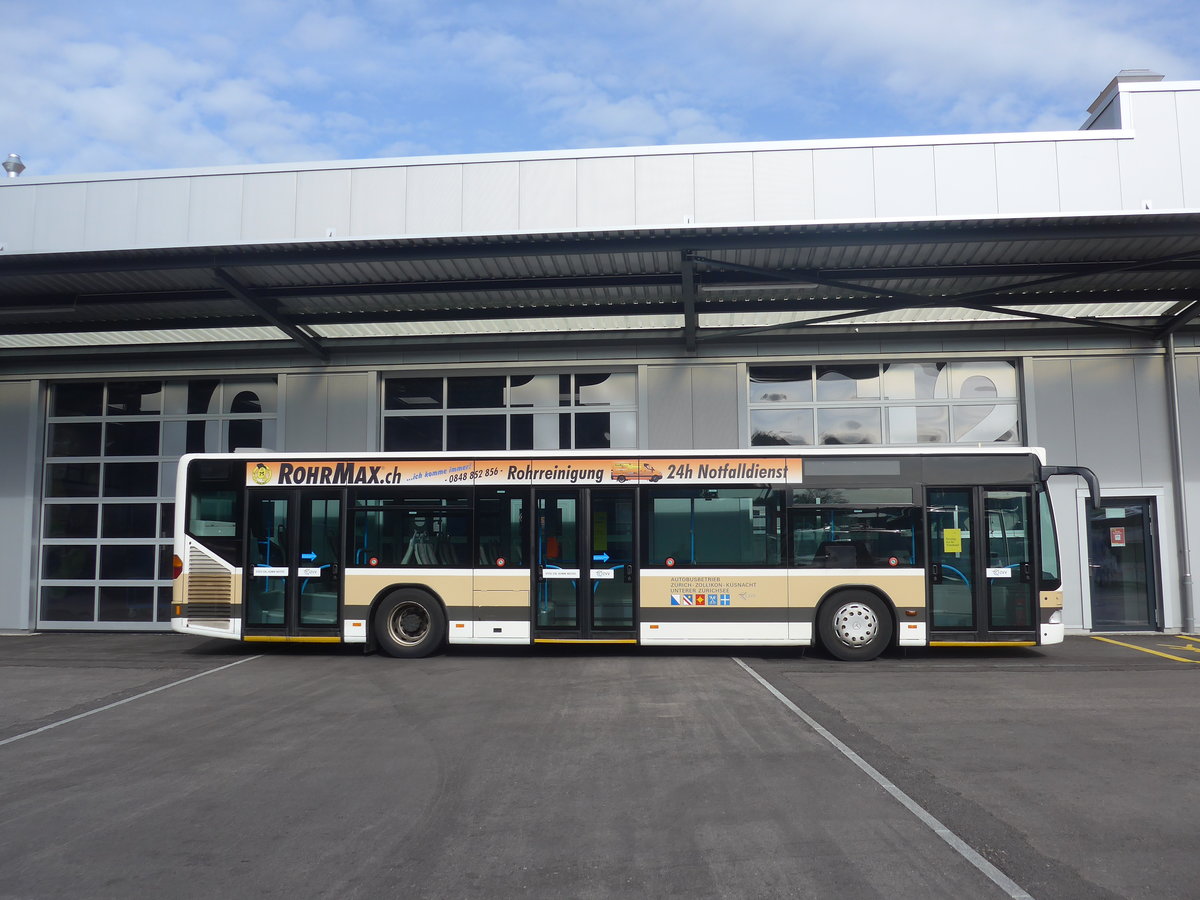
409,624
854,625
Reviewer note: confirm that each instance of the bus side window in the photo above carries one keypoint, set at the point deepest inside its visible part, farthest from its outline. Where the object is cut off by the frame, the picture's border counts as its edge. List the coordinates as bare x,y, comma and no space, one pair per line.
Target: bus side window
500,527
839,538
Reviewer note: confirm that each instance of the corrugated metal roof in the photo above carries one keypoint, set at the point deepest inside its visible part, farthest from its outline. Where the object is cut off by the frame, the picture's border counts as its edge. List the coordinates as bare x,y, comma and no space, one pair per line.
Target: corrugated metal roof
1139,270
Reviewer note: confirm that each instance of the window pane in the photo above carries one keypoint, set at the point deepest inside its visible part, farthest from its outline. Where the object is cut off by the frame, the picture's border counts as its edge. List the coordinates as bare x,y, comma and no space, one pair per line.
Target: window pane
856,538
201,397
128,520
537,431
475,433
715,526
476,392
606,390
853,425
500,518
986,424
246,433
69,561
916,381
134,398
131,438
623,430
250,396
918,425
533,390
412,393
781,384
74,439
126,604
408,537
120,563
1051,580
592,431
595,430
847,383
203,437
68,604
70,520
166,527
879,496
76,400
73,480
781,426
131,479
983,380
163,612
412,433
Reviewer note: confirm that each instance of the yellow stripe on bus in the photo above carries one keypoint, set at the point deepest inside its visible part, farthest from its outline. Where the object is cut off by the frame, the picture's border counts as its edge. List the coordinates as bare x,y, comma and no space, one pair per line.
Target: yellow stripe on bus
280,639
1144,649
983,643
581,641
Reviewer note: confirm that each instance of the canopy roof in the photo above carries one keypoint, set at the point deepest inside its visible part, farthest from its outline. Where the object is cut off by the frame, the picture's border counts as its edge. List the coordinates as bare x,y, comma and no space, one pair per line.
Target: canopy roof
1136,273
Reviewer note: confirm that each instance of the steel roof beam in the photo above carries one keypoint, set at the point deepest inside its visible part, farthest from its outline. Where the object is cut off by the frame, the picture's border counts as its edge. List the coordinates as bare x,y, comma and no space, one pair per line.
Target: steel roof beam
678,240
267,311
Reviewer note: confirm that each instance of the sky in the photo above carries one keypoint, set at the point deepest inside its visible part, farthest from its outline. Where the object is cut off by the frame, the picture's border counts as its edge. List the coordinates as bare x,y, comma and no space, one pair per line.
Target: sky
134,85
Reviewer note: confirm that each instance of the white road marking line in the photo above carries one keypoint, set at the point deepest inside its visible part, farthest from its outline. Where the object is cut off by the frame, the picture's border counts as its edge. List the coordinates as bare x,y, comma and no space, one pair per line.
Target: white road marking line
1006,884
92,712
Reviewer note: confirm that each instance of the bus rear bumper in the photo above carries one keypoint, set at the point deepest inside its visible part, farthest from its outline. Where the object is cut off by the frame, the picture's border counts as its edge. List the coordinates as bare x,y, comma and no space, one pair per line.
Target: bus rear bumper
1052,633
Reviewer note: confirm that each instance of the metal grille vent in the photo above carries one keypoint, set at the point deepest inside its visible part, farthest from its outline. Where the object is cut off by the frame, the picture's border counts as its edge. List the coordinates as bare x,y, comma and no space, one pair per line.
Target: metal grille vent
209,587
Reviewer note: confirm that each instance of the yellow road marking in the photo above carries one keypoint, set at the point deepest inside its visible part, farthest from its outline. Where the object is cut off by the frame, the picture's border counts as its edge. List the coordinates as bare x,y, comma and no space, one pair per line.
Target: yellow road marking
1144,649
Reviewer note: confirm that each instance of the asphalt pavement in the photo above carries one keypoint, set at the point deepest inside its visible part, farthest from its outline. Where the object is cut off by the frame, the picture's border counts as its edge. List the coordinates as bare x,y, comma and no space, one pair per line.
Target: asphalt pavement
174,766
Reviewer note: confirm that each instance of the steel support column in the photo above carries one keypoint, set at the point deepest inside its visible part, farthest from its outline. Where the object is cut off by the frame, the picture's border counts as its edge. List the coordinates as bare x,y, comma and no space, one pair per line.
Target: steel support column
1187,600
691,318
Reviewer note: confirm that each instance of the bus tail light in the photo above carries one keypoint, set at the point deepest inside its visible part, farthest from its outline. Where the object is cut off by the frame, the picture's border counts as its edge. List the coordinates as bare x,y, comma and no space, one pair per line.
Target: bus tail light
176,566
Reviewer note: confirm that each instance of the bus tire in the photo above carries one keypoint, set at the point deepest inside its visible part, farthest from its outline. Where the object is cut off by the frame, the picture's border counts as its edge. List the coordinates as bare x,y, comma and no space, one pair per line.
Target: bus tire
409,624
854,625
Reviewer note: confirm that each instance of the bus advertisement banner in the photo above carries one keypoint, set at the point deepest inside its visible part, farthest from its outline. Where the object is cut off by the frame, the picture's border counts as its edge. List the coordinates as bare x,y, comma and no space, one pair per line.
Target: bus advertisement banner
393,472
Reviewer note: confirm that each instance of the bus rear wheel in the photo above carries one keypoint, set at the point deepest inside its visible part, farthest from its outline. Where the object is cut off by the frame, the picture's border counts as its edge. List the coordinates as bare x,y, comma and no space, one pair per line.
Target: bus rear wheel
854,625
409,624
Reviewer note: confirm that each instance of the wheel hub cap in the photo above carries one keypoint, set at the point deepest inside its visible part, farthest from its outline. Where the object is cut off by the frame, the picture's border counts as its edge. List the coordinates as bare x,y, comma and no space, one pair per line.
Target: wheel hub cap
855,624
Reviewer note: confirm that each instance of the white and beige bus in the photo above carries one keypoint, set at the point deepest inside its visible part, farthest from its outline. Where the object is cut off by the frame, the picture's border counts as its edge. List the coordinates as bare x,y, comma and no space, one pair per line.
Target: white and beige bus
857,549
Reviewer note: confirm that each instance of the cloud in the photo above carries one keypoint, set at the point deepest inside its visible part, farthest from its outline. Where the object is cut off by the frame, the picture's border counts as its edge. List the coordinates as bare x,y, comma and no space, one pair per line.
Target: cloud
147,84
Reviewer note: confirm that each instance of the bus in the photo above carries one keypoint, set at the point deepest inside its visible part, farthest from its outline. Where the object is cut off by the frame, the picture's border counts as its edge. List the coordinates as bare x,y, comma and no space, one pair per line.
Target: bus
858,550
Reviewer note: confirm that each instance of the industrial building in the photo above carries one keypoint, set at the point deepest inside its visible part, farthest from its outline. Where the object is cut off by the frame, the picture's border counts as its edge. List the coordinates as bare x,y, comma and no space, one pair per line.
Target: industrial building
1032,288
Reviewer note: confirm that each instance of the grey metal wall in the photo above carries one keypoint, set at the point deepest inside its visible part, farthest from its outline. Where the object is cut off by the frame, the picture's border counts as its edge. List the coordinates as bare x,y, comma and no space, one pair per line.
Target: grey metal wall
329,412
20,449
692,407
1111,414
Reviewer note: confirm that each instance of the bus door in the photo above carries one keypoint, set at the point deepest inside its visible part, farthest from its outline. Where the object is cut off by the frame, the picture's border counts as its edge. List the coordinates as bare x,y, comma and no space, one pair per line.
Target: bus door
293,575
982,579
585,564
